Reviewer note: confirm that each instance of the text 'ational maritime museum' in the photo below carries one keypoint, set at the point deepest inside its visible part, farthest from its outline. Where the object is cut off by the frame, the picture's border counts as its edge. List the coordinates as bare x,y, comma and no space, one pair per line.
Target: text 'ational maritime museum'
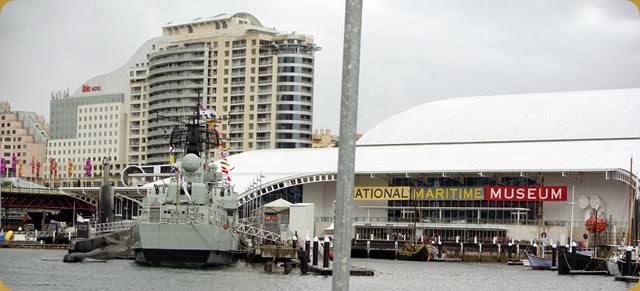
476,167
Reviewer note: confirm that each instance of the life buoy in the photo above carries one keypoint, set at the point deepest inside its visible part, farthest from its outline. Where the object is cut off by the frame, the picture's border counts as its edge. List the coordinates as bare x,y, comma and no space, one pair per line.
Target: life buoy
275,217
543,235
225,226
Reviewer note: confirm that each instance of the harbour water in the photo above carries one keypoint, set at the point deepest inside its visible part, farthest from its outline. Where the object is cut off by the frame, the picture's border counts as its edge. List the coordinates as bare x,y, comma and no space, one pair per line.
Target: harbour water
38,269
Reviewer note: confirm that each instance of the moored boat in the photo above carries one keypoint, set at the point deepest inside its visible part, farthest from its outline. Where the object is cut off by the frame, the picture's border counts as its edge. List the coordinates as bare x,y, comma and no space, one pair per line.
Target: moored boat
416,252
538,263
578,263
190,220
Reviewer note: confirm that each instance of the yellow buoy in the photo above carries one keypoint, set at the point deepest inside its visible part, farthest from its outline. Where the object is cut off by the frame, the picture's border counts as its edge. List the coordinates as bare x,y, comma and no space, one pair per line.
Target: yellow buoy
7,236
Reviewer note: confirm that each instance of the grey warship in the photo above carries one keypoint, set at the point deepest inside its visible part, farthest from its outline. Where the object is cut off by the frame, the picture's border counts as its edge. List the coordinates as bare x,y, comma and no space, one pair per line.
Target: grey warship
189,221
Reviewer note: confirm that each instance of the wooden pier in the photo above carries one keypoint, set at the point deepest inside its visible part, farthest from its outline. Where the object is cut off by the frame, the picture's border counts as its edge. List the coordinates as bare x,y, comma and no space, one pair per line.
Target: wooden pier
20,245
353,271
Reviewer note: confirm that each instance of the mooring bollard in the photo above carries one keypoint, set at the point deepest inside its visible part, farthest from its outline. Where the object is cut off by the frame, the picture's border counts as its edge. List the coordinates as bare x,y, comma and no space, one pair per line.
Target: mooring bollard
268,266
627,264
325,258
574,249
554,250
315,251
307,248
395,256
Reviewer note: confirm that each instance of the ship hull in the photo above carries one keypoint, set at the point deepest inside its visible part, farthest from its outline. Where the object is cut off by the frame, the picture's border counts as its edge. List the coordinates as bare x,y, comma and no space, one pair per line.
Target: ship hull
538,263
183,258
183,245
576,263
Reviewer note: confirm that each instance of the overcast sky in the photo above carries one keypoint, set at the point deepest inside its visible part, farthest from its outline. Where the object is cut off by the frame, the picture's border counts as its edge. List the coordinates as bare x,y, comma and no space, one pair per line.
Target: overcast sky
413,52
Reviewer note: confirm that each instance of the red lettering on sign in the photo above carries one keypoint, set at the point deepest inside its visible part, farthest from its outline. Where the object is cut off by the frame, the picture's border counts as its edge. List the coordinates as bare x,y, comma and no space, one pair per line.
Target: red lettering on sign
521,193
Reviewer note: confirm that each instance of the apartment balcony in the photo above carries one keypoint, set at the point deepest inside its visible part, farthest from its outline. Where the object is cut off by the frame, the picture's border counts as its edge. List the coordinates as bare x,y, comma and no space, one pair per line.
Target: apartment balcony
170,96
239,45
263,138
237,101
263,128
169,104
237,92
177,77
264,120
193,68
264,99
168,87
178,50
174,59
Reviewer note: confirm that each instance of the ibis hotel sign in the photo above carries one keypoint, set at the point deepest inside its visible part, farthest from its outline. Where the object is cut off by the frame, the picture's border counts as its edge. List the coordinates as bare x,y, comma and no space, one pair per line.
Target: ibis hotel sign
489,193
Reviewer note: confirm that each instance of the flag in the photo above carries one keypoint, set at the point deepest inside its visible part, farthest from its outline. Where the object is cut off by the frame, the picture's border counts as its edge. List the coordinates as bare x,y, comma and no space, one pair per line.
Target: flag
19,168
33,165
69,167
87,168
183,183
14,164
172,158
206,113
224,168
38,166
51,166
3,167
55,169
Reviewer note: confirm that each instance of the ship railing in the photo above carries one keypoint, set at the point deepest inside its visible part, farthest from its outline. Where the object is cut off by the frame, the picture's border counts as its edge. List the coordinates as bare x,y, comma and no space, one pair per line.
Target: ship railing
114,226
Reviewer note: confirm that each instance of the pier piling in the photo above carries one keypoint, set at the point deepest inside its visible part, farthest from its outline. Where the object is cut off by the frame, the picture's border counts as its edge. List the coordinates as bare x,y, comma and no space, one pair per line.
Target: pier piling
315,251
325,258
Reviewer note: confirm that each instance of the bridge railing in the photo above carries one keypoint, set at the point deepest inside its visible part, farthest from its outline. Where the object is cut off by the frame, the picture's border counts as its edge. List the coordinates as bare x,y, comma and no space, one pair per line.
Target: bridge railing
250,227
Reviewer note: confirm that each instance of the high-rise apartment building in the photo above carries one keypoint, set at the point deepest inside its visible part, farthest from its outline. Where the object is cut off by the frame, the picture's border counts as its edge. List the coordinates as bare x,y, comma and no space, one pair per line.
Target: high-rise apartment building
23,134
259,82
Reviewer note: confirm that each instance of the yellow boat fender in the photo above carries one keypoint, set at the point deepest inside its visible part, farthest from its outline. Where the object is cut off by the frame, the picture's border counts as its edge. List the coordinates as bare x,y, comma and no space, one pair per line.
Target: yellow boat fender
8,235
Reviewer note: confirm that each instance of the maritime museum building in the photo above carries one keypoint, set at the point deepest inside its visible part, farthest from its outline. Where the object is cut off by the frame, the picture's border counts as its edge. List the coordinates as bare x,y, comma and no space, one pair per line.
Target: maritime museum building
476,168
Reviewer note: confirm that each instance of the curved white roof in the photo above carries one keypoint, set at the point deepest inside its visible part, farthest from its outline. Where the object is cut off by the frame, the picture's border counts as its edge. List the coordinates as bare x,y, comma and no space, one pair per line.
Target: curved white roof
580,131
117,82
602,114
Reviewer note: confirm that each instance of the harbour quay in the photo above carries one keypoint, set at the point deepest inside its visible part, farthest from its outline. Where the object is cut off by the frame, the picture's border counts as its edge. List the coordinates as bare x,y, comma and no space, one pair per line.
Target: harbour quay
451,251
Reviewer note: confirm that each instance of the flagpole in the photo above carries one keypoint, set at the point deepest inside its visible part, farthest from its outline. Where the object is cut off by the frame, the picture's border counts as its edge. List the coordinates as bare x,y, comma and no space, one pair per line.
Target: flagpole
573,194
73,221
